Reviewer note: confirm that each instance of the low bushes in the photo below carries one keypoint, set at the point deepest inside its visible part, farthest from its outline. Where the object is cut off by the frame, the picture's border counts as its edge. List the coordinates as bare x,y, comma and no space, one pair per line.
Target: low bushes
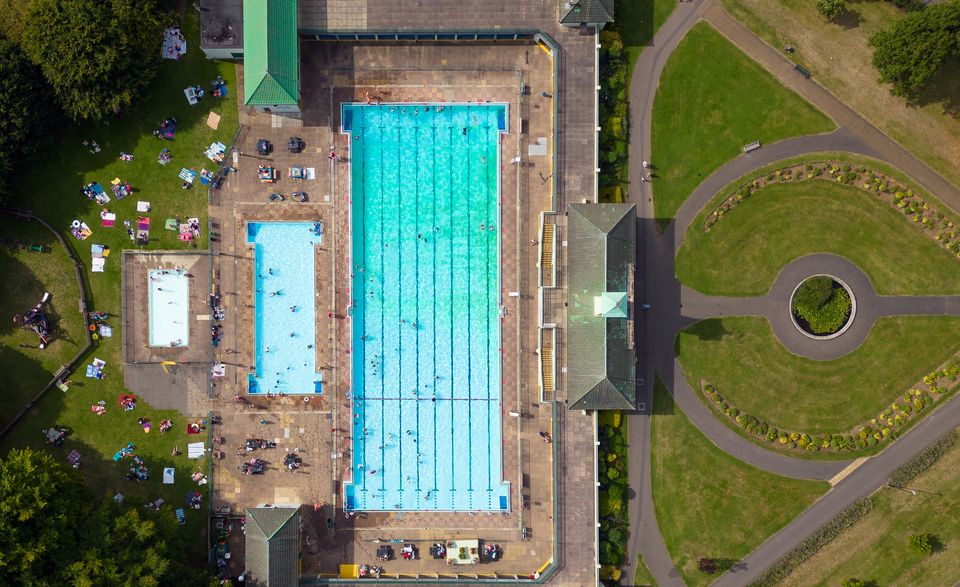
922,461
614,520
614,109
809,547
888,424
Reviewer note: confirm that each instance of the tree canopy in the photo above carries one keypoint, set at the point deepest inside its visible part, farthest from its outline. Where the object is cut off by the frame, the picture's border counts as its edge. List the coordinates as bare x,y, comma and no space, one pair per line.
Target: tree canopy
831,9
53,532
97,55
25,116
910,52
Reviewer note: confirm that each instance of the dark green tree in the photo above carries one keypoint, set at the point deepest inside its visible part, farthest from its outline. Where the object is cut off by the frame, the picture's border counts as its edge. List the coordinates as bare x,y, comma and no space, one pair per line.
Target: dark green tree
97,55
25,117
913,49
831,9
43,508
921,543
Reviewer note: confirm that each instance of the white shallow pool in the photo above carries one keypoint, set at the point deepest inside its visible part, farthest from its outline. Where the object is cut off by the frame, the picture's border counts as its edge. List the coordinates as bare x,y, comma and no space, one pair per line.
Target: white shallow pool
169,308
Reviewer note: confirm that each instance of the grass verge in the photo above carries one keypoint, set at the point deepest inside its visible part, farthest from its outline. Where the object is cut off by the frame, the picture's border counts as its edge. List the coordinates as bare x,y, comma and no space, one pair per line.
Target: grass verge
877,548
642,577
840,59
703,116
708,503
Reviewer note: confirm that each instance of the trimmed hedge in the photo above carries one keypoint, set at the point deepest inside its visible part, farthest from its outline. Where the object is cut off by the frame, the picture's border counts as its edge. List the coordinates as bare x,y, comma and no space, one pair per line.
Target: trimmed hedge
614,512
809,547
922,461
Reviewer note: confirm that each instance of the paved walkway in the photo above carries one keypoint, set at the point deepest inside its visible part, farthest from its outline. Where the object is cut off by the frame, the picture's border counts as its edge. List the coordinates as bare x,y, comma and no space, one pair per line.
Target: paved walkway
674,307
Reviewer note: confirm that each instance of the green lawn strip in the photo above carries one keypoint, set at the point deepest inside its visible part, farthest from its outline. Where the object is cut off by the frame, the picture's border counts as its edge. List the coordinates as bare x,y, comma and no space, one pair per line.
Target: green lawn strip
51,188
877,549
639,21
744,251
642,577
702,116
708,503
752,370
26,276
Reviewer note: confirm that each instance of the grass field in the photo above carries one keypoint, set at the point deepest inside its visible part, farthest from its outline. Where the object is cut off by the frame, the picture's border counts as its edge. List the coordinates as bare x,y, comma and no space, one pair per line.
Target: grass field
738,257
876,548
51,188
702,116
753,371
839,57
639,21
26,276
642,576
708,503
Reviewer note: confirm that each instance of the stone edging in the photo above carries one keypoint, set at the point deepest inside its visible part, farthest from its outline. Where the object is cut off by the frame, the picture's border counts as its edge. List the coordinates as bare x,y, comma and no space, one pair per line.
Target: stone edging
938,226
889,424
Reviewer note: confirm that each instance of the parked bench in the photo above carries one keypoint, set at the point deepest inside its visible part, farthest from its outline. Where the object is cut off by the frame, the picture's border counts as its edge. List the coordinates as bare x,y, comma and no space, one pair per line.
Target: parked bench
751,147
803,70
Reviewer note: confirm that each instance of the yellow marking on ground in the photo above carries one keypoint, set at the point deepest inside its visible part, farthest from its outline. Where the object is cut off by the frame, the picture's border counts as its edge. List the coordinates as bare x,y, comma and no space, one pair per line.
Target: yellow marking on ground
849,469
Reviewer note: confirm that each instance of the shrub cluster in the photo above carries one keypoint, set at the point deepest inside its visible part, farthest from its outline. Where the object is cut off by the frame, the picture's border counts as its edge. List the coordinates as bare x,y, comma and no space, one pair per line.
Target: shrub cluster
922,461
824,307
887,425
809,547
614,516
614,109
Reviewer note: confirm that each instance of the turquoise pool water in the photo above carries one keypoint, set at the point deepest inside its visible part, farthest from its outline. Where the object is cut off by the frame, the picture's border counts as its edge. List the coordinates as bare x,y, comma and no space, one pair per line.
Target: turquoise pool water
284,308
426,297
169,301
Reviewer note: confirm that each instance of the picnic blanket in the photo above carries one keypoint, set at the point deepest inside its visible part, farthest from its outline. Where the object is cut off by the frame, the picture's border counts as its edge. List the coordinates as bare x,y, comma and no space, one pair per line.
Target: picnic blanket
107,219
174,45
120,188
143,223
206,176
94,191
188,175
215,152
168,476
143,206
181,516
171,224
106,331
164,157
193,94
97,253
80,230
195,450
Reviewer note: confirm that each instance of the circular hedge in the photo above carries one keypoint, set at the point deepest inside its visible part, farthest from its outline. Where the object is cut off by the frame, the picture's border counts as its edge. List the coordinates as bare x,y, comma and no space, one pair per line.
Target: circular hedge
821,305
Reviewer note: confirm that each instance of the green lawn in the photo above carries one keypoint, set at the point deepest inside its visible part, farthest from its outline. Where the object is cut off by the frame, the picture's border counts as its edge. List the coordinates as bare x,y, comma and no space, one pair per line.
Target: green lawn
754,372
642,577
26,275
712,100
51,188
839,57
639,21
738,257
708,503
876,548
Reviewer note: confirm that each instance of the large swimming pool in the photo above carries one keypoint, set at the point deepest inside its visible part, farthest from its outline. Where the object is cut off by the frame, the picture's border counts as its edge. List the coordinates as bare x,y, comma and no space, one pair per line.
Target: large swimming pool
284,307
426,298
169,301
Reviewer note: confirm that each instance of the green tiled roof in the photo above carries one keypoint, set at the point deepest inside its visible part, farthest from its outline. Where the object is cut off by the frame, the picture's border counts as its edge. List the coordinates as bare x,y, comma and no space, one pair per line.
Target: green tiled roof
273,546
586,11
271,53
601,366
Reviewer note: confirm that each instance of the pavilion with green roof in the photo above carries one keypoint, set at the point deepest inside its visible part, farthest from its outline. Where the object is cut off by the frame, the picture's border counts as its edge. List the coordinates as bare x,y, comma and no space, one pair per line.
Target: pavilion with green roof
271,55
273,546
601,360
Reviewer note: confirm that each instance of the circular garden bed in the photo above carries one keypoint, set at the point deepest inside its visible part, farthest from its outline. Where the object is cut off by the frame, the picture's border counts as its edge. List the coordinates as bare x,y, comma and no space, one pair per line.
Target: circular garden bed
822,306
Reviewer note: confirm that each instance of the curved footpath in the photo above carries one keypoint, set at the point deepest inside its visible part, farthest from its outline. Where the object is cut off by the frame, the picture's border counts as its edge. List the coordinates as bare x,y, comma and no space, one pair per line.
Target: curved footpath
674,307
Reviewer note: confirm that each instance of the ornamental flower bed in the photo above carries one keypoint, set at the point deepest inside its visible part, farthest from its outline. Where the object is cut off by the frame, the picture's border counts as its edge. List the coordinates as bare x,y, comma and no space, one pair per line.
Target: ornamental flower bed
942,228
888,424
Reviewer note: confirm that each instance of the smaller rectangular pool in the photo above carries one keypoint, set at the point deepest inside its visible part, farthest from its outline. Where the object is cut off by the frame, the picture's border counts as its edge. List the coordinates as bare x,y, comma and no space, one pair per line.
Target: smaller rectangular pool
169,308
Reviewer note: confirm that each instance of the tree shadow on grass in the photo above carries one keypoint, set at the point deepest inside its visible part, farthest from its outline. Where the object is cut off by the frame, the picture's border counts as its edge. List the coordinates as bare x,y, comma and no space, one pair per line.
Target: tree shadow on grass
943,89
635,21
848,19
